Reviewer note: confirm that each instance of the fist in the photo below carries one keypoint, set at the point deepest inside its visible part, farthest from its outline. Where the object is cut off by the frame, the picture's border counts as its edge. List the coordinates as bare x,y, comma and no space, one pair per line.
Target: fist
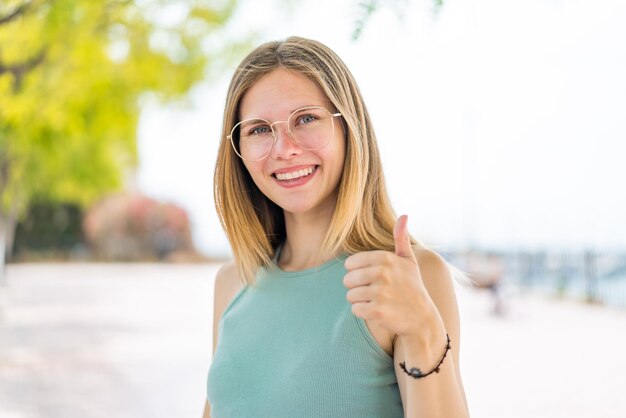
387,288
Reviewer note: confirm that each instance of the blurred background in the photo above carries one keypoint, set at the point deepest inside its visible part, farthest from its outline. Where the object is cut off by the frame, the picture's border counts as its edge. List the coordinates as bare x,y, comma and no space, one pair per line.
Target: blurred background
501,127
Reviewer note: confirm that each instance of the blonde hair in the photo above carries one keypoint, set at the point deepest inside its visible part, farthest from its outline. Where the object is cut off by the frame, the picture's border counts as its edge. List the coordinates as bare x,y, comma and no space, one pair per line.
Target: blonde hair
363,218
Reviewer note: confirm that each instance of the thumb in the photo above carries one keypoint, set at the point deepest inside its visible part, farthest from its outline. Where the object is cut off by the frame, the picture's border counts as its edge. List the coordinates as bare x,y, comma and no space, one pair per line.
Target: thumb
401,238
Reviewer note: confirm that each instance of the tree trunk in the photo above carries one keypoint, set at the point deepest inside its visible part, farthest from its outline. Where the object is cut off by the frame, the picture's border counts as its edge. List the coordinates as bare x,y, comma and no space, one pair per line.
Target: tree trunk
9,236
3,271
3,250
7,232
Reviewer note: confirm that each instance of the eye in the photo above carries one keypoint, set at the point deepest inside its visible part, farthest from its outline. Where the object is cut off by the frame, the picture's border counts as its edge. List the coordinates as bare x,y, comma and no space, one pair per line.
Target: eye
306,119
258,130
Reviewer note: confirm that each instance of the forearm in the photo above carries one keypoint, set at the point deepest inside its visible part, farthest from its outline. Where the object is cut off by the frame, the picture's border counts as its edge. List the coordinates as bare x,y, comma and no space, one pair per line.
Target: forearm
438,394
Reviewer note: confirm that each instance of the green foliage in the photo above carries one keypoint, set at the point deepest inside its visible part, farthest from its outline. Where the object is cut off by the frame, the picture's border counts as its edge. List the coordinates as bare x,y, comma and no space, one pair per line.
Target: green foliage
72,73
367,8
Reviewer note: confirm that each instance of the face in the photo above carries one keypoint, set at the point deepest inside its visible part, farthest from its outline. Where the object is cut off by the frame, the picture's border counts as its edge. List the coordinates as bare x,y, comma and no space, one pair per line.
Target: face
297,180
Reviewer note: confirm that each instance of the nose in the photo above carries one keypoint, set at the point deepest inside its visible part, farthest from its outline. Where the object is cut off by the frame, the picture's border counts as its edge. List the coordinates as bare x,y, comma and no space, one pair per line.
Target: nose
284,146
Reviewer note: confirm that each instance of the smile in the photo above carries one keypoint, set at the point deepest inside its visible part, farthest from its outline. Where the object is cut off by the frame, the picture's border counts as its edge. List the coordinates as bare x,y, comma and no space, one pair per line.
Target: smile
294,175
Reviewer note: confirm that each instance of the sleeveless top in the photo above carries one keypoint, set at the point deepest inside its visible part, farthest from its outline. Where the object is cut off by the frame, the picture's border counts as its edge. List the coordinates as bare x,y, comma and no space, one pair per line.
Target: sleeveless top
289,346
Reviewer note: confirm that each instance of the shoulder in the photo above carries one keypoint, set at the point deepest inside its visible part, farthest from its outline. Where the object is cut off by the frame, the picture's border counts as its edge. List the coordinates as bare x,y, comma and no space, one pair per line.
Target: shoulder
227,283
432,266
227,275
437,278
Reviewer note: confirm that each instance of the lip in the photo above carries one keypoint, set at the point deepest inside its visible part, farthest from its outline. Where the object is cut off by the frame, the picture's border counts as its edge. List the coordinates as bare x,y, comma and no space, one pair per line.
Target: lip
294,168
298,182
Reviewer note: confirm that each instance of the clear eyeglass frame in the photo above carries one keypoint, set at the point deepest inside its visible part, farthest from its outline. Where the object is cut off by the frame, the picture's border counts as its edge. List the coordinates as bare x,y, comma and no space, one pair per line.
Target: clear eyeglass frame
231,137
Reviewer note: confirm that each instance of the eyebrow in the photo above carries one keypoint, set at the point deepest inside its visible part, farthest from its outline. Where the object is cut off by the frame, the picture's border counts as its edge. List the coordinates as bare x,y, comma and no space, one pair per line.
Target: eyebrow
300,107
290,112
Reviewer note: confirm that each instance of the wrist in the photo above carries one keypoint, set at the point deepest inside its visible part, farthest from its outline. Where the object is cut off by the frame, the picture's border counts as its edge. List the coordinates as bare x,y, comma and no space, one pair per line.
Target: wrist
415,361
424,347
427,336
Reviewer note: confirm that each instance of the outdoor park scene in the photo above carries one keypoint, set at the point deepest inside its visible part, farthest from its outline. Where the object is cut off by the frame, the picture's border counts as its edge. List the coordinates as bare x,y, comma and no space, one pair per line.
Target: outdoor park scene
501,139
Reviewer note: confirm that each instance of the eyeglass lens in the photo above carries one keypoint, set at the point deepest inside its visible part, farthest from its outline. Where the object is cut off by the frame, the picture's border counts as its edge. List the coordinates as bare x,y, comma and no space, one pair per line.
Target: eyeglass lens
309,128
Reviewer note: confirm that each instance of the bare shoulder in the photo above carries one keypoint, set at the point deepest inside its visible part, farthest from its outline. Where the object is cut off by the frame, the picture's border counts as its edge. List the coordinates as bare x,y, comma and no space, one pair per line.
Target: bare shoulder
227,283
435,271
437,278
228,276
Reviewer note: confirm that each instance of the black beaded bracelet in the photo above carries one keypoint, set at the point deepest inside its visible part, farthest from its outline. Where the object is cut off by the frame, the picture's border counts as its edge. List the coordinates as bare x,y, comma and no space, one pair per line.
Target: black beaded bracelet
417,373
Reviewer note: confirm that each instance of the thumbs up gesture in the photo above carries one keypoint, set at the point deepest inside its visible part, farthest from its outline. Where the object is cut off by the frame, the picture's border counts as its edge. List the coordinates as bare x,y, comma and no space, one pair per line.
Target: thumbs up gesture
387,287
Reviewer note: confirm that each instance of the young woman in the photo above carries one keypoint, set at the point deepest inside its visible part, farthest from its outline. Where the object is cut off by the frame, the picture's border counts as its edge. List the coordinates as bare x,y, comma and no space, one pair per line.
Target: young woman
330,308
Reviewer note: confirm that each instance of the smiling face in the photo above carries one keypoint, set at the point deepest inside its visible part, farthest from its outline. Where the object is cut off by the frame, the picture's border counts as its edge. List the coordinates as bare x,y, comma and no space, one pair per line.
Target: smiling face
297,180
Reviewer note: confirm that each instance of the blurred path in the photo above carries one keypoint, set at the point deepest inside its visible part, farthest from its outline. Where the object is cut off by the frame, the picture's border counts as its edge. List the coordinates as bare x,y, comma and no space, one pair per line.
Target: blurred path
134,340
547,358
105,340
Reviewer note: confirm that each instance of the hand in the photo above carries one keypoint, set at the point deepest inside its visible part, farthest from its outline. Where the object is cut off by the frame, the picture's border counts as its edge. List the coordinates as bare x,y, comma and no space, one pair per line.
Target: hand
387,288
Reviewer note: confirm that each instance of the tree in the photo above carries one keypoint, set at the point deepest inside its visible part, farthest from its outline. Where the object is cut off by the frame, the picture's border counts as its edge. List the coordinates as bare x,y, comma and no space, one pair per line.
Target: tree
367,8
72,76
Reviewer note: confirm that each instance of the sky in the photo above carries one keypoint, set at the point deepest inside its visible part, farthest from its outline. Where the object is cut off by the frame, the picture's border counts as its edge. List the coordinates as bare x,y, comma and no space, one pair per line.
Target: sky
500,123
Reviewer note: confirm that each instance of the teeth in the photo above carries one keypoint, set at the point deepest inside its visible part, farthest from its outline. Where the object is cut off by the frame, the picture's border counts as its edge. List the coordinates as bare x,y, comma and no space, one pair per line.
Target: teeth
295,174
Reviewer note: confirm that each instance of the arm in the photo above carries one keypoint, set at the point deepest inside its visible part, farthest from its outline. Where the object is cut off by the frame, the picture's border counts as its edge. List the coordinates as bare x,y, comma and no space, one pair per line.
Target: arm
227,284
207,410
410,294
439,394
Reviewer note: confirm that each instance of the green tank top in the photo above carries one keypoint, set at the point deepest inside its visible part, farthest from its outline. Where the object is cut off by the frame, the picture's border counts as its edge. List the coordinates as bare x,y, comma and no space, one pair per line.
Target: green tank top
289,346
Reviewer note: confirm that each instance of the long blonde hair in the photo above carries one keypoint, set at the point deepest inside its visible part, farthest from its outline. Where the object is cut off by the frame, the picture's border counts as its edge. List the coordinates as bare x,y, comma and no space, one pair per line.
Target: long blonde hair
255,226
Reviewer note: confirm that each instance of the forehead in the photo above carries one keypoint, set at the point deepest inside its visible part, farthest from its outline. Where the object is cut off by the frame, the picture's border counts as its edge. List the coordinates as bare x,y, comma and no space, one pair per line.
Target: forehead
278,93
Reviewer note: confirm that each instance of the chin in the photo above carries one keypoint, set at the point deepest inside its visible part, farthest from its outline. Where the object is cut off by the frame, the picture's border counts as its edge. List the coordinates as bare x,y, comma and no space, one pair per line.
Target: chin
296,208
303,207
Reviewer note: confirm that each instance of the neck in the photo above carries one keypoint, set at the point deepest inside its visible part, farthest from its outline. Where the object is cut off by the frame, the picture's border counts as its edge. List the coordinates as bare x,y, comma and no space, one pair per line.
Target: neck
305,235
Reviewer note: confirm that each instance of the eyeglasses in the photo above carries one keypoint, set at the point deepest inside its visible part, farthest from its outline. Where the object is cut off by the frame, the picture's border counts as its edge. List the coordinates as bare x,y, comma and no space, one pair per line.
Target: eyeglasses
310,128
